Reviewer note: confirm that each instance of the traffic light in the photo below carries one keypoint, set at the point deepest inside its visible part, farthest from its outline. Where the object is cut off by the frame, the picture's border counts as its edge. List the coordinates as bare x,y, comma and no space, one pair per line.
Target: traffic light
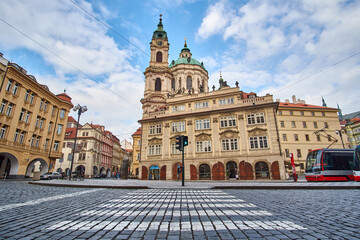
179,143
185,140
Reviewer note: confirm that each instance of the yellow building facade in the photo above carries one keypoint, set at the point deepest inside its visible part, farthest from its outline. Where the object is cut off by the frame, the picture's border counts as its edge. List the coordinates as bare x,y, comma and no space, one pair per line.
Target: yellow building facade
136,156
32,123
232,134
304,127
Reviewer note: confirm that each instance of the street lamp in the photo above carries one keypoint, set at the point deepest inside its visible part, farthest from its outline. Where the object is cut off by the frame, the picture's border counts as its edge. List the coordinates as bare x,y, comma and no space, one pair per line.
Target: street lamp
80,109
340,134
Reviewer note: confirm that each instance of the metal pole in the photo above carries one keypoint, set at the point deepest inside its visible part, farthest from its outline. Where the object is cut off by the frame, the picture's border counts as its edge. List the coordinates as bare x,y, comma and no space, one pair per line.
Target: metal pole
183,168
73,152
342,139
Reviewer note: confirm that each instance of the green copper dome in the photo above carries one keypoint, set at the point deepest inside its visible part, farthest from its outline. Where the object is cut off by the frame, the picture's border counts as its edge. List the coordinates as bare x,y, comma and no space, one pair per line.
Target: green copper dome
160,33
189,60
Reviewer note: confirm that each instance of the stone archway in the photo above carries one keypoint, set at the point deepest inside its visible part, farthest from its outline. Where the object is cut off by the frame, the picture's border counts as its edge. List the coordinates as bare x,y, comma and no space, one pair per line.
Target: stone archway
275,170
80,170
246,171
176,171
108,173
193,172
9,164
204,172
154,173
36,165
144,173
95,170
231,169
218,171
163,173
262,170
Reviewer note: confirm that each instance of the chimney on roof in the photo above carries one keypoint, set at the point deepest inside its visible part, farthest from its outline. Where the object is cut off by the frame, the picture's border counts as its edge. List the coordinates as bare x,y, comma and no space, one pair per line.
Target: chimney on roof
294,99
287,101
277,100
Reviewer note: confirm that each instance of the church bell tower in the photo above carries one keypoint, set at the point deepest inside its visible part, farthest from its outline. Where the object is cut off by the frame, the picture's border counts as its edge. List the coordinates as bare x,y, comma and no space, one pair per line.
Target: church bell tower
157,75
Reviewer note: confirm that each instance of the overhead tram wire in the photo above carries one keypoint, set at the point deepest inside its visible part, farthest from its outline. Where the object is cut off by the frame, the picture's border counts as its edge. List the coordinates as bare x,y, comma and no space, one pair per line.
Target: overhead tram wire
315,73
67,62
109,27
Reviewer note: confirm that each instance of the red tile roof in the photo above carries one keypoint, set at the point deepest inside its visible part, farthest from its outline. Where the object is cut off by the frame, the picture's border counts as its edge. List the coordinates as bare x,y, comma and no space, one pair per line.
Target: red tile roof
71,119
303,105
70,133
64,97
138,132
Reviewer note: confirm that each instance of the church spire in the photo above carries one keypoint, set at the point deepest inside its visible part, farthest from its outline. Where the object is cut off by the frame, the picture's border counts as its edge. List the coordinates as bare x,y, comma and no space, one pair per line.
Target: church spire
160,33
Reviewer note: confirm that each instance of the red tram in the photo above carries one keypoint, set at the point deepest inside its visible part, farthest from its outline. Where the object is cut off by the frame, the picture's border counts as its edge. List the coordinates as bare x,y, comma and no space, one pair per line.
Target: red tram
330,165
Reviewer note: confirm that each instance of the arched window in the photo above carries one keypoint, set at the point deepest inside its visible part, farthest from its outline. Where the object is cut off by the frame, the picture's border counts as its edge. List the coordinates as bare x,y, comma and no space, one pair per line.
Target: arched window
158,84
262,170
159,57
188,83
204,171
173,84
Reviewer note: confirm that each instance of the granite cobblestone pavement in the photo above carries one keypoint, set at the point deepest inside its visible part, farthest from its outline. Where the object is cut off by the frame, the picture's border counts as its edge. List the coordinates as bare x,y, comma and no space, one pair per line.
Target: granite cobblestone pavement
47,212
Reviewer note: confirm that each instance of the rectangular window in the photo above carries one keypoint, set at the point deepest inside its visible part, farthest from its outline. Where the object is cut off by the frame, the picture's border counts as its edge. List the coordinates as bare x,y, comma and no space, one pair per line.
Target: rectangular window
3,131
178,127
293,124
298,152
62,113
284,137
318,138
315,125
282,124
3,106
27,94
302,113
296,137
59,129
32,96
323,114
37,121
307,138
291,113
202,105
53,111
287,153
37,141
255,118
22,137
42,123
22,114
258,142
15,89
9,109
138,156
228,121
50,125
226,101
204,146
326,125
8,86
45,105
178,108
313,114
280,112
56,146
46,143
32,140
154,150
139,143
41,104
155,129
202,124
229,144
17,134
304,124
174,150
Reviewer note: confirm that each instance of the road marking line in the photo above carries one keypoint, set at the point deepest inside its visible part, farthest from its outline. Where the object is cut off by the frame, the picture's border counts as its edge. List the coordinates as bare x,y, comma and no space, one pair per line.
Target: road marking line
38,201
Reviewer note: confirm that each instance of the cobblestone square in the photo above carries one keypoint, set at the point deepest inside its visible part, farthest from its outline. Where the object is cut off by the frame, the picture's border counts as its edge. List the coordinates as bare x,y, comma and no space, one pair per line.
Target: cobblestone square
44,212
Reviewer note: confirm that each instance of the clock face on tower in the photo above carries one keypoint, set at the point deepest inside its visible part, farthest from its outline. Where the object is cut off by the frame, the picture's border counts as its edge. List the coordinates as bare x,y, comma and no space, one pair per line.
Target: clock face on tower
160,43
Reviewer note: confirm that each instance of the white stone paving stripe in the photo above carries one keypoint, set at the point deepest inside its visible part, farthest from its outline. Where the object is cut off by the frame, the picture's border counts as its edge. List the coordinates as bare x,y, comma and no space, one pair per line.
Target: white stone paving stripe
38,201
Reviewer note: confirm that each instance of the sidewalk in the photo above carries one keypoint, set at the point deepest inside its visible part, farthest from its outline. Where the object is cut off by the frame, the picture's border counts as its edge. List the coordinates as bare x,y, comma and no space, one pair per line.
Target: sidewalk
227,184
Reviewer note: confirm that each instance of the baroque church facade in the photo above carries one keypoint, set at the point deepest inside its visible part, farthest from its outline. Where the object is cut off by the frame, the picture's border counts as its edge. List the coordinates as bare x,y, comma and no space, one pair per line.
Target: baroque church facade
232,134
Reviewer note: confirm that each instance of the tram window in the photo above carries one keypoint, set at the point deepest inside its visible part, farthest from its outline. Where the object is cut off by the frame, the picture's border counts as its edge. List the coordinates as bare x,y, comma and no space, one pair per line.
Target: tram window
313,161
338,161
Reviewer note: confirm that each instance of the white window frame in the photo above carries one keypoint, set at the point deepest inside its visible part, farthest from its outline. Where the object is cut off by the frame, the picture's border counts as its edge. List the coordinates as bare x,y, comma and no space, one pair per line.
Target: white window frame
255,118
8,86
203,146
155,129
3,106
201,104
56,146
174,150
32,96
15,89
178,108
62,113
59,129
3,131
229,121
16,136
226,101
9,109
202,124
27,95
22,137
260,142
154,150
178,127
230,144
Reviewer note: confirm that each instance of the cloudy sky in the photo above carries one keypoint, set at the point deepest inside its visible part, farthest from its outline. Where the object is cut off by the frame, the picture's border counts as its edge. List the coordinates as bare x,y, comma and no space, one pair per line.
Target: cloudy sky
98,50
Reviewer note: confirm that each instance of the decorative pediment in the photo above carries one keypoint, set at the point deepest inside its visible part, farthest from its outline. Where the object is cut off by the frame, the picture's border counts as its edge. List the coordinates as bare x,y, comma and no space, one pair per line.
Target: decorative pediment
229,134
155,140
257,131
189,122
203,137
